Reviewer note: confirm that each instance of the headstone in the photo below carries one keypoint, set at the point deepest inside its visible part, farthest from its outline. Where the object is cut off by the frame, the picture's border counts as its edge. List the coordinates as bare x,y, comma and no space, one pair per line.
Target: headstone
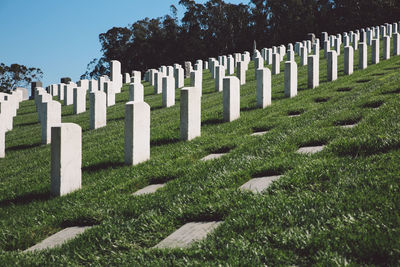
386,47
110,93
190,113
241,72
196,80
332,66
220,74
326,48
98,109
79,100
355,42
275,64
188,234
33,86
66,158
59,238
348,60
303,56
311,37
362,56
158,82
230,65
116,76
179,77
290,55
313,71
65,80
136,92
188,68
168,91
137,132
93,86
127,78
51,117
337,46
396,44
375,51
290,79
68,95
2,137
263,87
231,96
24,91
60,88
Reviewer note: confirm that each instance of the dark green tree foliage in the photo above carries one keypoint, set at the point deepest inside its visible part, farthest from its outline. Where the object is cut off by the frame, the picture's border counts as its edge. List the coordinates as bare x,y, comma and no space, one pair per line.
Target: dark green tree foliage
215,28
17,75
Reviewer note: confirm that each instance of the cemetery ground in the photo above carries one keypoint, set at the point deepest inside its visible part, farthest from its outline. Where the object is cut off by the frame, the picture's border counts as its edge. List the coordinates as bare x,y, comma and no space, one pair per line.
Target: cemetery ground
337,206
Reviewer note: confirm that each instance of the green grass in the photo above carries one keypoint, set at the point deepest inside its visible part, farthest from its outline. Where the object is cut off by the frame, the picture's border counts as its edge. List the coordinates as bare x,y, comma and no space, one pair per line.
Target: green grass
335,207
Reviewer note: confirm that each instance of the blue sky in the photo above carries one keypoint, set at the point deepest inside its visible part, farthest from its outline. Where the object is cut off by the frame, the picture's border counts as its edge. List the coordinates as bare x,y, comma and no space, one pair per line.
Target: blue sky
61,36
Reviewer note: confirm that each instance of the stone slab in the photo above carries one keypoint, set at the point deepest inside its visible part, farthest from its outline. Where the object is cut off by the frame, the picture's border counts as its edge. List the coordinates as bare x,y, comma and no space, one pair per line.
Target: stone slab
188,234
257,185
349,126
259,133
59,238
213,156
148,189
310,149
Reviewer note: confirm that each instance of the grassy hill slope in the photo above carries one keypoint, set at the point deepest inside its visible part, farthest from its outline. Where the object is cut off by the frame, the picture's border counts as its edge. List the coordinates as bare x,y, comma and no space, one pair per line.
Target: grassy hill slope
334,207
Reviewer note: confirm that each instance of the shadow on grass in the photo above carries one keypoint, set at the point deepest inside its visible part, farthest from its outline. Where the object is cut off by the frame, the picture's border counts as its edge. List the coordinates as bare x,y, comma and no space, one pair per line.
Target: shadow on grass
26,199
164,141
212,122
27,124
22,147
102,166
156,107
116,119
394,91
249,108
344,89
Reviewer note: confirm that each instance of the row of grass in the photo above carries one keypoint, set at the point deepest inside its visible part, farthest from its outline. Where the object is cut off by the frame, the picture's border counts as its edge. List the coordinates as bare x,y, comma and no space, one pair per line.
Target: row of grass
336,207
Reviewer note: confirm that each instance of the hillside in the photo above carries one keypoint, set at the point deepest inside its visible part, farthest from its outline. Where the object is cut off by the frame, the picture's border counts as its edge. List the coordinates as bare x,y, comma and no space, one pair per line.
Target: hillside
334,207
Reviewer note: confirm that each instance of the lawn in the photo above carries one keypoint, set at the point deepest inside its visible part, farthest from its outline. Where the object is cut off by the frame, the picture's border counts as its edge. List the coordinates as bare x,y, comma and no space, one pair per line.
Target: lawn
334,207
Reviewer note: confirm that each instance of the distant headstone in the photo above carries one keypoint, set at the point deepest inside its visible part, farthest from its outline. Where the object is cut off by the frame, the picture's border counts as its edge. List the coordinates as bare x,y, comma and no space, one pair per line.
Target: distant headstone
51,117
79,100
241,72
313,71
66,158
362,56
68,95
190,113
396,44
303,56
179,77
136,92
290,79
188,68
231,98
276,64
263,87
158,82
65,80
168,91
348,60
98,109
220,74
110,93
386,46
137,132
332,66
375,51
33,86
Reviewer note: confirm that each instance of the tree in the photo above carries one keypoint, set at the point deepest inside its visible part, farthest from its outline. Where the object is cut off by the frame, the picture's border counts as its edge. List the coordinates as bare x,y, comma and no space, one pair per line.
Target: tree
16,75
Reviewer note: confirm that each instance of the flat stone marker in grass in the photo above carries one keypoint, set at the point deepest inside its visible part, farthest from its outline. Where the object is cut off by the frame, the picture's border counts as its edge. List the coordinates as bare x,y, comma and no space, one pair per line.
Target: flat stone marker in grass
259,133
59,238
213,156
148,189
310,149
257,185
188,234
349,125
